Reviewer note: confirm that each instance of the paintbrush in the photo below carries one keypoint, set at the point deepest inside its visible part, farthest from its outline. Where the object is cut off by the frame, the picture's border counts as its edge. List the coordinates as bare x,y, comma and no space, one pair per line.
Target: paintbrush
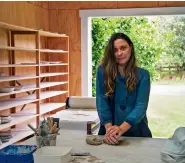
53,129
49,123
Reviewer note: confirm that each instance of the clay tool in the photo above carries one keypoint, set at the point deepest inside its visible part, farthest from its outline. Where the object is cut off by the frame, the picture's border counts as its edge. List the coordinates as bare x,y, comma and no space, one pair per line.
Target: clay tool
49,123
51,119
44,130
53,129
56,120
30,126
57,130
81,154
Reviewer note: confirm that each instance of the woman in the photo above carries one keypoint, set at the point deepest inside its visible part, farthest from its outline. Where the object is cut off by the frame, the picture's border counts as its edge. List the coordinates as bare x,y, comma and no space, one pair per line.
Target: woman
122,92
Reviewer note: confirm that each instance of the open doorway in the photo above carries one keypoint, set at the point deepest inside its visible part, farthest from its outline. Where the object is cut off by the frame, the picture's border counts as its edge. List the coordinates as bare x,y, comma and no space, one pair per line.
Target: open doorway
175,115
159,45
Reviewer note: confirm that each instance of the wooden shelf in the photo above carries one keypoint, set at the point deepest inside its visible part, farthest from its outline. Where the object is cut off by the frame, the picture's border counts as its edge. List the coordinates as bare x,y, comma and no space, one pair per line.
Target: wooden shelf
52,51
50,84
18,65
29,49
16,120
41,32
32,87
48,94
28,114
16,48
32,65
10,103
52,74
44,108
17,135
54,64
15,28
42,85
48,107
49,34
10,78
22,90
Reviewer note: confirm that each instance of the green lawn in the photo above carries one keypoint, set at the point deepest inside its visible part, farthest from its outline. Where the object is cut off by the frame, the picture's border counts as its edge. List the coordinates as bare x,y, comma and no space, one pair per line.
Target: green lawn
165,114
170,82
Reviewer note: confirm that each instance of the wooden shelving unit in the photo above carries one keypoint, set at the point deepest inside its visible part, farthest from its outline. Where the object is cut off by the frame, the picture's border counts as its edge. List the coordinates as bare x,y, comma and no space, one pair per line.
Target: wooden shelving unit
11,78
45,85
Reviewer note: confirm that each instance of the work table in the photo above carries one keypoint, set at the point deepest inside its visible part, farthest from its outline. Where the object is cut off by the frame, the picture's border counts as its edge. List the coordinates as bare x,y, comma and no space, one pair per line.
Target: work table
131,150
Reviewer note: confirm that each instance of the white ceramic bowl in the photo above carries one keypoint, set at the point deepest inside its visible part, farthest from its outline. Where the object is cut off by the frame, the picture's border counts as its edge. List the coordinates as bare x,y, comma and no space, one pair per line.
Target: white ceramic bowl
2,74
18,88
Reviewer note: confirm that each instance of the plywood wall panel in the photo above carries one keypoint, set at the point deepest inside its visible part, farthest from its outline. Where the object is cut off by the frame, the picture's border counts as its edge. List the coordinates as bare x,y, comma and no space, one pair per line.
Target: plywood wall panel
82,5
24,14
75,88
171,3
68,22
3,37
72,5
137,4
44,4
112,4
107,4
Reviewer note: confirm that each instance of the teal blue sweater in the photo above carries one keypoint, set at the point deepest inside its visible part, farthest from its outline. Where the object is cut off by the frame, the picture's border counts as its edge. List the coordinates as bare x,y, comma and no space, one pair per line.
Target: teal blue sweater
124,106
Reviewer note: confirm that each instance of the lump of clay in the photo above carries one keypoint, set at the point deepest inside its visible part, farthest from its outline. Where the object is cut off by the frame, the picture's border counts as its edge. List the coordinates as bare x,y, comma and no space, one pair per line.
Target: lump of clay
94,140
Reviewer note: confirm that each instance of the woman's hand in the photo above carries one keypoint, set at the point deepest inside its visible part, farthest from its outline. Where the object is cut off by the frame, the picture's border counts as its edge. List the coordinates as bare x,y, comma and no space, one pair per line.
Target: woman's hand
115,132
109,139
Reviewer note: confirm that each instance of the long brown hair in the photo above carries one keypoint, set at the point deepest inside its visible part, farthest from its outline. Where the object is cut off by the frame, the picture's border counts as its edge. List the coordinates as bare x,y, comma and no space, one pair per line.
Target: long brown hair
110,66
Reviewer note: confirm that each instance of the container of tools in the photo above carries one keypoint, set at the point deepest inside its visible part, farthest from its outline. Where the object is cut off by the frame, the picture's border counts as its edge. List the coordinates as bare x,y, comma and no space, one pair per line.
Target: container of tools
46,134
49,140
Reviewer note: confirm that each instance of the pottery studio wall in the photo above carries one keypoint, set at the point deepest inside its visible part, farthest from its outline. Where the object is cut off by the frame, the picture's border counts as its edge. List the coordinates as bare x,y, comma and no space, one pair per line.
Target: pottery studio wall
64,17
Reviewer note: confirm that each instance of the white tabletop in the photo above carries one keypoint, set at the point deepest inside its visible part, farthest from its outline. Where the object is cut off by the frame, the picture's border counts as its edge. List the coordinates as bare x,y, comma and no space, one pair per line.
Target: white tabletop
133,150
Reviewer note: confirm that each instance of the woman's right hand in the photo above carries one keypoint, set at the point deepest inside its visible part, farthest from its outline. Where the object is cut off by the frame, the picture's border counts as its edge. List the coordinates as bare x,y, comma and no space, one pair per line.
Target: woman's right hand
109,139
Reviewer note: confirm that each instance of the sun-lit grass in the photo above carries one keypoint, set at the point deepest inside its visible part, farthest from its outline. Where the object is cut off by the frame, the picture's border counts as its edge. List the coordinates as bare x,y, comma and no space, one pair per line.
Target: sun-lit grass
170,82
165,114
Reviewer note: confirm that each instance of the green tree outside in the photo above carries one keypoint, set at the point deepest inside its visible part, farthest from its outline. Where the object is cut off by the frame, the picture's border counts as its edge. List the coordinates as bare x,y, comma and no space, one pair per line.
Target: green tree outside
142,32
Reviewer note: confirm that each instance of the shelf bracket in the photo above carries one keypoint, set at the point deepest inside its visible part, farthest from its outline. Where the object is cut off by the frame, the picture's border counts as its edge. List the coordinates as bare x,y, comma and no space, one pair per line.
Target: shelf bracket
23,107
21,85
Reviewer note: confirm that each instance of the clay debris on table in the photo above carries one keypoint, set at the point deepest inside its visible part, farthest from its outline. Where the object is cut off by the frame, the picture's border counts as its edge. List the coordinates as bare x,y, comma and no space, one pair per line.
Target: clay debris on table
86,159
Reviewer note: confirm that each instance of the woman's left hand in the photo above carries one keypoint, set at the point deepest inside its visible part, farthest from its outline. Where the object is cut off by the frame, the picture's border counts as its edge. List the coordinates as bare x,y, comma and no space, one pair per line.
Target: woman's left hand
115,131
